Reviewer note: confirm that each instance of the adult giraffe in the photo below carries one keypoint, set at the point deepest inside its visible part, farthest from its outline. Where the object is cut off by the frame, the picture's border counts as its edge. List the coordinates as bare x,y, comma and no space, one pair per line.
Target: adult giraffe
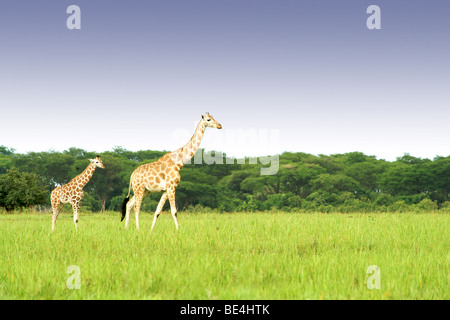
163,175
72,192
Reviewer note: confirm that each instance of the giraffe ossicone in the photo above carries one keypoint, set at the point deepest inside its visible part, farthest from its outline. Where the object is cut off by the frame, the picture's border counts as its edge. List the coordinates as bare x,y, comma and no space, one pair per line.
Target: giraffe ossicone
163,175
72,192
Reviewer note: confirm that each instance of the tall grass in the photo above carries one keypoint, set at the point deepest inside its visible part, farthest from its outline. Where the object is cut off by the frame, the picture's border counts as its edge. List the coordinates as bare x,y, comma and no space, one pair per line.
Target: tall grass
226,256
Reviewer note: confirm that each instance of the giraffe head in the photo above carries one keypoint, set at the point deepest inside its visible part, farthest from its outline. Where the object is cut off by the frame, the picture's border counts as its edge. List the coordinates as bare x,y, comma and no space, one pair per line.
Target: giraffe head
97,162
209,121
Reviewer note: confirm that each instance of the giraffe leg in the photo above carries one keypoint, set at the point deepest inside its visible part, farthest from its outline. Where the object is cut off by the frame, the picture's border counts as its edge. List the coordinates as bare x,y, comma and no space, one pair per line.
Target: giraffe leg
173,209
159,208
55,210
76,204
138,197
75,207
130,205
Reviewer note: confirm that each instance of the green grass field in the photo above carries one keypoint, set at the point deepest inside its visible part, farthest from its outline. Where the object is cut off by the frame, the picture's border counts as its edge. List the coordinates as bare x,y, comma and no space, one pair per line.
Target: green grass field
226,256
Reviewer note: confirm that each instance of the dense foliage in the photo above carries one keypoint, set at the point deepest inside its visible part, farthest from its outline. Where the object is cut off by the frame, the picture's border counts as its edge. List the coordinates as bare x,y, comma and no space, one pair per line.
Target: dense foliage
341,182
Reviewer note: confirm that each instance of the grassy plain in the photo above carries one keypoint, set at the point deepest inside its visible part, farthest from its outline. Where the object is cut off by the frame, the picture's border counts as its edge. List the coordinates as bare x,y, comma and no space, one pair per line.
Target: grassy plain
226,256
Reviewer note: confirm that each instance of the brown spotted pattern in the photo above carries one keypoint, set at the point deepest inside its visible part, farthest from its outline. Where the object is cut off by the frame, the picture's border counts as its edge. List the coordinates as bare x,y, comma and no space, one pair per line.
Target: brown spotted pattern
163,175
72,192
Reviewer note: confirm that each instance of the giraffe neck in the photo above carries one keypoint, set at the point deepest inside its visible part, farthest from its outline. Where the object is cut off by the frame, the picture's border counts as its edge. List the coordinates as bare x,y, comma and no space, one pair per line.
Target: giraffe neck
83,178
184,154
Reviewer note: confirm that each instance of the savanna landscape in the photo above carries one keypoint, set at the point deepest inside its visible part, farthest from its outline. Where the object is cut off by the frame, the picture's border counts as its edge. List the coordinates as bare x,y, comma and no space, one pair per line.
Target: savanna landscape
324,173
241,236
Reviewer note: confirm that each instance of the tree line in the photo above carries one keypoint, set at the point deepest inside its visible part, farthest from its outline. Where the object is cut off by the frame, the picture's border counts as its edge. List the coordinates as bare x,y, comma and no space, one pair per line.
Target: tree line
350,182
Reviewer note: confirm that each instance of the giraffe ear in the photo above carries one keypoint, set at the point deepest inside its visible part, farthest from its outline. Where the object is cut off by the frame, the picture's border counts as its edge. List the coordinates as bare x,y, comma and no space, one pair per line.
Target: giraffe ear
203,117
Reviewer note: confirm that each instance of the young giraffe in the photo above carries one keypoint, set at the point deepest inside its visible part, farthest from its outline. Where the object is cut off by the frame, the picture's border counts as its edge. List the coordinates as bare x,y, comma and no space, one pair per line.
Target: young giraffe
163,175
72,192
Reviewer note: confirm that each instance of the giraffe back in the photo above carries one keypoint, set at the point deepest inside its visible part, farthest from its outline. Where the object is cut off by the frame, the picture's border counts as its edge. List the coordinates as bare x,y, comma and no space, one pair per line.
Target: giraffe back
157,176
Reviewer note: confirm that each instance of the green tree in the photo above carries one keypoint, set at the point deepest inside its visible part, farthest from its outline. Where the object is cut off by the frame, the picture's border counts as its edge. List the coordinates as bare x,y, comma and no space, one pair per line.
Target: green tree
5,163
407,178
21,189
335,183
53,167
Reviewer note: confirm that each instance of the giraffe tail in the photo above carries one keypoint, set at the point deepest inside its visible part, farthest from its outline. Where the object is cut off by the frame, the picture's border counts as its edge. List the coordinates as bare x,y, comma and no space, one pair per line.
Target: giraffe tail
124,207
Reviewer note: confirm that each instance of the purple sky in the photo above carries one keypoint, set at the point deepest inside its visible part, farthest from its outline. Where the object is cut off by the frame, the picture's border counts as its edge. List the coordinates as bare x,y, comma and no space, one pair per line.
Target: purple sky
300,76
